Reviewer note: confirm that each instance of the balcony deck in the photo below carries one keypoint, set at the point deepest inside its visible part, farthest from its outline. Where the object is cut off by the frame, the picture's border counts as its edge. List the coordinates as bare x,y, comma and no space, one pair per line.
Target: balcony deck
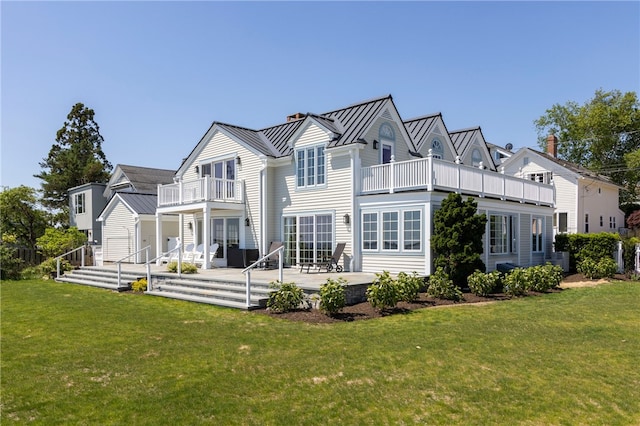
434,174
202,189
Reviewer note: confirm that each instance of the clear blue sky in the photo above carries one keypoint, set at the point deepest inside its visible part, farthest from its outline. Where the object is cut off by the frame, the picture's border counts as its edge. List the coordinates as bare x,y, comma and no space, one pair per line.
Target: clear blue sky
158,73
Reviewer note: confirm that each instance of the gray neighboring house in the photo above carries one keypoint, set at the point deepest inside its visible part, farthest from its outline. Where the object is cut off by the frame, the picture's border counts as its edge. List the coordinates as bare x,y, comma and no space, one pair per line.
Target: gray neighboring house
111,216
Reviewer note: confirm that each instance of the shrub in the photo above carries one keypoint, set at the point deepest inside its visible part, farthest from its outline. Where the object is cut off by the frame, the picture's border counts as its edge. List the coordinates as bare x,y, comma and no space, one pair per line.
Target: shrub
409,286
442,287
516,282
56,241
583,246
139,285
332,296
187,268
483,284
10,266
286,297
383,293
603,267
49,267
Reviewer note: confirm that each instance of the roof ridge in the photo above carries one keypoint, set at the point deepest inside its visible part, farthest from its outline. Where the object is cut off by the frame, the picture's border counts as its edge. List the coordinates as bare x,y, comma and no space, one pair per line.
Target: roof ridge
368,101
422,117
467,129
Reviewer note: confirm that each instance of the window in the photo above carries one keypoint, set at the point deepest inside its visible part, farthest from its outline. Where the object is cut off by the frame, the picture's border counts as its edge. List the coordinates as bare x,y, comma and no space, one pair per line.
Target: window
79,203
310,167
537,225
612,222
307,238
562,222
387,142
502,234
223,173
586,223
476,157
370,231
401,231
437,151
601,222
390,230
542,177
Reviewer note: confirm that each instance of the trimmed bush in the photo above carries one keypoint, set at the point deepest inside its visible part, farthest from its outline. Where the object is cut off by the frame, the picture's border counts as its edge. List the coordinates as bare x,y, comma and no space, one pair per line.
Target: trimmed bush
516,282
409,286
601,268
332,296
187,268
583,246
286,297
442,287
139,285
50,266
483,284
383,293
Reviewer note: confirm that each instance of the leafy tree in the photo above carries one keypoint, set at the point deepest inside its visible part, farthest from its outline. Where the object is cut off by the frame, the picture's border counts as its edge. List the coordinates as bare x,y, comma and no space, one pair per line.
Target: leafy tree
21,216
75,159
457,238
56,241
598,135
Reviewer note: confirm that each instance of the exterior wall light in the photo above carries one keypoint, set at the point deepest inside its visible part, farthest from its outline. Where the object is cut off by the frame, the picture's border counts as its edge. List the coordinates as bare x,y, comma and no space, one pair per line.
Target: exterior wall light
346,219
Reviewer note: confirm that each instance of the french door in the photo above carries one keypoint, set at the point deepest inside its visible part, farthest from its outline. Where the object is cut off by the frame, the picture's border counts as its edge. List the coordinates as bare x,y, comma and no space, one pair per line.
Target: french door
307,238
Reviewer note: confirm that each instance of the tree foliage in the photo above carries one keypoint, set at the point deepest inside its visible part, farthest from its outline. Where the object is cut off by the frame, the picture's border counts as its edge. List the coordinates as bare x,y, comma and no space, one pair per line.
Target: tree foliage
457,238
21,217
602,135
75,158
56,241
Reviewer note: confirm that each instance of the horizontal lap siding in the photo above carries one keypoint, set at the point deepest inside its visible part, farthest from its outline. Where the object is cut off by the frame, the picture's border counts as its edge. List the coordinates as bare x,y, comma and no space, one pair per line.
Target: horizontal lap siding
335,197
371,156
566,190
119,233
393,263
525,240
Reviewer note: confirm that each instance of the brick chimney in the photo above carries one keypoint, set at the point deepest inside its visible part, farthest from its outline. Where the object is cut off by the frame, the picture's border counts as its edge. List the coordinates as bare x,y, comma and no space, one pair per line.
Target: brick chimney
552,145
296,116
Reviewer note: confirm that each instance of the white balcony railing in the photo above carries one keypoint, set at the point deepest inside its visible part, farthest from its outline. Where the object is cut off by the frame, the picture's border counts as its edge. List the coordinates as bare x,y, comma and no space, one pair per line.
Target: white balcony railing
434,174
202,189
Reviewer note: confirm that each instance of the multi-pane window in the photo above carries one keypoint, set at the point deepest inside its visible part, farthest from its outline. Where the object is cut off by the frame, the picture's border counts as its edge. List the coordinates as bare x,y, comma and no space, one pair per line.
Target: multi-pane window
502,234
370,231
437,151
542,177
390,230
412,228
224,174
79,203
612,222
586,223
308,238
536,234
399,230
387,142
561,221
310,167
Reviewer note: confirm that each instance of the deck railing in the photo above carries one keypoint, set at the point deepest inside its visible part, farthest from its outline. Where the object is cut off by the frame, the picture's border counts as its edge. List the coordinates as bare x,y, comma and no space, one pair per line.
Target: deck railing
202,189
257,263
433,174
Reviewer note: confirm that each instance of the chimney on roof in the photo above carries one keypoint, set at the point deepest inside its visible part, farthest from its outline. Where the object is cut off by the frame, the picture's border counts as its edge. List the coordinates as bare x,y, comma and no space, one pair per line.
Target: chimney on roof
296,116
552,145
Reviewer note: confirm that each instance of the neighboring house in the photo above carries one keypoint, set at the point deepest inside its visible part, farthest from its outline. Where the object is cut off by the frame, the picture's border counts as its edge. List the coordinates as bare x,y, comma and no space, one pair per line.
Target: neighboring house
360,175
500,154
85,203
585,201
143,180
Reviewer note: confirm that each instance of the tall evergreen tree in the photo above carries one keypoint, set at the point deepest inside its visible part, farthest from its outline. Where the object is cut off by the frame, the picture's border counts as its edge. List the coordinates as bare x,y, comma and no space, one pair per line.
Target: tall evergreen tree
75,159
457,238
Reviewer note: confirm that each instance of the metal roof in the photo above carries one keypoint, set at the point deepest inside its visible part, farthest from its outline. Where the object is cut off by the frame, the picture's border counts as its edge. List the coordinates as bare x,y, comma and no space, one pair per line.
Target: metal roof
140,203
420,127
462,138
146,179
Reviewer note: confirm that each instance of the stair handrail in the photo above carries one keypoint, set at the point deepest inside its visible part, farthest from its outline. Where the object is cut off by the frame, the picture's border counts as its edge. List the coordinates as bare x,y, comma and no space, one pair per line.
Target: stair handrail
119,262
147,264
255,264
68,253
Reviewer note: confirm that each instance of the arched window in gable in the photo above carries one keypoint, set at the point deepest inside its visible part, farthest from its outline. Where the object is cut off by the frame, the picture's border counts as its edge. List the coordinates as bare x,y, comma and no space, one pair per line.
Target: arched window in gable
437,150
476,157
387,142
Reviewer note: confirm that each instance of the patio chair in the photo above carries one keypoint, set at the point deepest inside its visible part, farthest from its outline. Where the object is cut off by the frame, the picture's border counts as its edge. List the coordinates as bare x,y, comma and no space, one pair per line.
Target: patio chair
271,261
198,259
329,263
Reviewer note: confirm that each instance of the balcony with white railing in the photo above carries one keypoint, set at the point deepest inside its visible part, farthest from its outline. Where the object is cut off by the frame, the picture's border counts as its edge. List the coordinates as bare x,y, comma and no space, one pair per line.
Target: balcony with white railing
434,174
199,190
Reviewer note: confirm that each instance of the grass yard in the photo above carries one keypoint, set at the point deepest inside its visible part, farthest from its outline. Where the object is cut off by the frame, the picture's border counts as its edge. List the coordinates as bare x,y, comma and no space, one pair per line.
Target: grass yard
80,355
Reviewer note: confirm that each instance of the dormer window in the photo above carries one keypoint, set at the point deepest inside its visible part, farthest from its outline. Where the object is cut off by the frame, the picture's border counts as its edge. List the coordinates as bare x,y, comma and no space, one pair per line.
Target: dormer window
387,143
310,167
476,157
437,150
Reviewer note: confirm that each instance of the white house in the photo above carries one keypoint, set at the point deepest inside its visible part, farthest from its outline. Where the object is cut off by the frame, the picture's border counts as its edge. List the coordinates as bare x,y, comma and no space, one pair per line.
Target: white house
585,201
360,175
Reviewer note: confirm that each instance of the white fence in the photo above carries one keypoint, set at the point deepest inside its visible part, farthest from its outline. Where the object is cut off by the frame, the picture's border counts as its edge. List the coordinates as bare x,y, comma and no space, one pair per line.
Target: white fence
431,173
202,189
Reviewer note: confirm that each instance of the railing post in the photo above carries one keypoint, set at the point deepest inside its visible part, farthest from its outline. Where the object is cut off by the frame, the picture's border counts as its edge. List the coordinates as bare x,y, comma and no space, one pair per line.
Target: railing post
180,192
119,273
148,276
180,262
482,173
58,268
430,171
392,175
281,265
248,294
82,256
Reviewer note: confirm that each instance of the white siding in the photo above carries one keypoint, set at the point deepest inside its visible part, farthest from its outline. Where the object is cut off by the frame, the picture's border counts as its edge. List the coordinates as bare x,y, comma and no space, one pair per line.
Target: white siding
372,157
119,233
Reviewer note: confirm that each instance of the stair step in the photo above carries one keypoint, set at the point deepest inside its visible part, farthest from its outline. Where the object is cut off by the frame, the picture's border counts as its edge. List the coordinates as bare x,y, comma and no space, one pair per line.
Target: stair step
201,299
217,285
73,280
235,295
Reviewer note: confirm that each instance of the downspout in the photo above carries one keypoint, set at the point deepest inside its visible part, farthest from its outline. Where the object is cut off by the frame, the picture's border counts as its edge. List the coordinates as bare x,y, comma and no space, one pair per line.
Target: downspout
356,262
263,208
137,238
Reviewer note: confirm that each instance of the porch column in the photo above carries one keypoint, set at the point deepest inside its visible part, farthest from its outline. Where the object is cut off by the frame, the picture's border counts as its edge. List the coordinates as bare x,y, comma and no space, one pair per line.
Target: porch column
428,226
206,236
158,237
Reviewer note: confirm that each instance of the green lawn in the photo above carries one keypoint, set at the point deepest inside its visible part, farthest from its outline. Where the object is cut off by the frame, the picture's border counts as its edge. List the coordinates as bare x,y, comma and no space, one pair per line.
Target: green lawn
79,355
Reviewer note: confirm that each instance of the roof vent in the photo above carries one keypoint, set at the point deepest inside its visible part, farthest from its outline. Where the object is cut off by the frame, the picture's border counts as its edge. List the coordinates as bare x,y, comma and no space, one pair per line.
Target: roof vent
508,146
296,116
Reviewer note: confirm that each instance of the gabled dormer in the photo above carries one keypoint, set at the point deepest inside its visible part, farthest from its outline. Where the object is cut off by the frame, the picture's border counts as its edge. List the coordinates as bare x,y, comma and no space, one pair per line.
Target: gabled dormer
430,133
472,148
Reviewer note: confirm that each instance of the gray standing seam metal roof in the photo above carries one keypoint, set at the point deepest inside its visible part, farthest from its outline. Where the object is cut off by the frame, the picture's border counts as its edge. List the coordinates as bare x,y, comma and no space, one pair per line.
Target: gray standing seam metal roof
462,138
420,127
140,203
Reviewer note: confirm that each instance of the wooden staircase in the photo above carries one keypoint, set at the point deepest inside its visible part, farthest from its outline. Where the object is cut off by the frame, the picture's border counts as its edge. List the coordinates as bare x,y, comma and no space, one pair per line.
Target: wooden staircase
194,288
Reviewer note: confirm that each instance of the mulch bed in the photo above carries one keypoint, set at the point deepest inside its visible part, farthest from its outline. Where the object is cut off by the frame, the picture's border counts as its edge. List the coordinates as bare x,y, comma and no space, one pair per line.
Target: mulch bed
364,310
